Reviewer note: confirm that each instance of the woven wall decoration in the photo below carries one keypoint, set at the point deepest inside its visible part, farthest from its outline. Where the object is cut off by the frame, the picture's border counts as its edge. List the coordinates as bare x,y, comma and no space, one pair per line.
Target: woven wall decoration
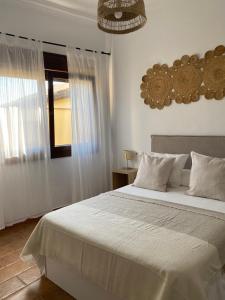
214,74
157,87
188,79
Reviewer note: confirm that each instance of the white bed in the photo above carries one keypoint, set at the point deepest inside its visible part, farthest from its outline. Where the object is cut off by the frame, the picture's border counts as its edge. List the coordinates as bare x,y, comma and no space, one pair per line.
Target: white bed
81,288
70,226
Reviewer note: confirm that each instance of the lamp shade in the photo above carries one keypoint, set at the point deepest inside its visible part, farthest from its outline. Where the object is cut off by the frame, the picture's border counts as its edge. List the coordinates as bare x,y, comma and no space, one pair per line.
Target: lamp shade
129,154
121,16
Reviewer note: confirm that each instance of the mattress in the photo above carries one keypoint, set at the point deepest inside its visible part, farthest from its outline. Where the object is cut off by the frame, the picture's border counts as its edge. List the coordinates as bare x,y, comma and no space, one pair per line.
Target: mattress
139,244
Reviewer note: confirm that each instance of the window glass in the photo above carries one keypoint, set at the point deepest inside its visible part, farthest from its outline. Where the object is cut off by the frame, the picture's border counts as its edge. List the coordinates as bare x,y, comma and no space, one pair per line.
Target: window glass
16,99
62,112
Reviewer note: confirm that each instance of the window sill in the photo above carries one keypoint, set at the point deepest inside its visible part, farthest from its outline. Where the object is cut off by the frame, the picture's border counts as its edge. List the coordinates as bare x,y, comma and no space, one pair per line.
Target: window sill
60,151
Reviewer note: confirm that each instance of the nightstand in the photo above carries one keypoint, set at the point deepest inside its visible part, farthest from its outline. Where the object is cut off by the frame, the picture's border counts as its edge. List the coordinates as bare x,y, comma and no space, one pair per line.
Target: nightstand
122,177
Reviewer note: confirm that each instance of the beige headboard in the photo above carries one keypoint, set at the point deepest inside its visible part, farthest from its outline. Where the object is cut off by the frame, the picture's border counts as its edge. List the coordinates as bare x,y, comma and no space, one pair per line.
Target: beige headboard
208,145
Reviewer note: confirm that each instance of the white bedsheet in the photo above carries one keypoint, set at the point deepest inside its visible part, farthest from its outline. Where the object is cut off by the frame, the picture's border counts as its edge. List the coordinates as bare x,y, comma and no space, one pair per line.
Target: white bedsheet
176,195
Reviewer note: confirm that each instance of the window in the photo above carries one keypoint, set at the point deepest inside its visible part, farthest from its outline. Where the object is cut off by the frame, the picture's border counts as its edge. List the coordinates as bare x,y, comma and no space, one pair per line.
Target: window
20,118
59,104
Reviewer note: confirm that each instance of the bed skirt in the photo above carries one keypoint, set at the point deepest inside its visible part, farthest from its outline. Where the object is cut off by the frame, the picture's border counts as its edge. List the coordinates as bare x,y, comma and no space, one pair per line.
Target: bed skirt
80,288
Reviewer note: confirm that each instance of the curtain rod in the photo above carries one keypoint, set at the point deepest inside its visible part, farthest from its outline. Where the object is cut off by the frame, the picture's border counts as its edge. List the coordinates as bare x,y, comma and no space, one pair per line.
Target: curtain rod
55,44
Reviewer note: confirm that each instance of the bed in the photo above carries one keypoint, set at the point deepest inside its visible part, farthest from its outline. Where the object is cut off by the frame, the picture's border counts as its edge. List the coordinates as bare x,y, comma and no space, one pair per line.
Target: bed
137,244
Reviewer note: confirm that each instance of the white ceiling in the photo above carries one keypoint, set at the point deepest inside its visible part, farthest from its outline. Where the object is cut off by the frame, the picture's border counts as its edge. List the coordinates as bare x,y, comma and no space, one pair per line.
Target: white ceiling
84,8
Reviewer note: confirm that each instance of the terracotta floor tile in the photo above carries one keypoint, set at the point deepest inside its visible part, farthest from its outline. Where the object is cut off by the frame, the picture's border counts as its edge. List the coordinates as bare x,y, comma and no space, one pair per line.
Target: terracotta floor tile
9,259
6,249
12,243
5,239
14,269
49,290
8,233
18,243
26,294
15,274
30,275
26,228
26,232
10,286
42,289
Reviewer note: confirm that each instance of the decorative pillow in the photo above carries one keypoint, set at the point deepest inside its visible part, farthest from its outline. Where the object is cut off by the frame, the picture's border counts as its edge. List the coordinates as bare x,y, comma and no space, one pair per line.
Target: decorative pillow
153,172
179,163
207,177
185,177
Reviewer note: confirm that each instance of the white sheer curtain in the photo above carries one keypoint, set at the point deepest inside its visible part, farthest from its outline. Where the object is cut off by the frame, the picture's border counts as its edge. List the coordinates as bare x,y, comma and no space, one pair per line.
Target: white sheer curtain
91,134
24,146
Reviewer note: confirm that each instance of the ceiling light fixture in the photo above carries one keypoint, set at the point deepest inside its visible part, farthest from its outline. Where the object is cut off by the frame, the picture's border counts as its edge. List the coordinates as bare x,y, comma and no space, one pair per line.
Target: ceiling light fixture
121,16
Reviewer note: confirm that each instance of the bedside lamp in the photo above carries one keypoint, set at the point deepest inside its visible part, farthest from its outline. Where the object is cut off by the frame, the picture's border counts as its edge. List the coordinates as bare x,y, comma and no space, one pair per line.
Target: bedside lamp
129,155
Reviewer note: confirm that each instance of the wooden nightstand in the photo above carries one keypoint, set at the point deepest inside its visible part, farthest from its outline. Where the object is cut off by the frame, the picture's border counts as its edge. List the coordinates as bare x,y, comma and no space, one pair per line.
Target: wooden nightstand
122,177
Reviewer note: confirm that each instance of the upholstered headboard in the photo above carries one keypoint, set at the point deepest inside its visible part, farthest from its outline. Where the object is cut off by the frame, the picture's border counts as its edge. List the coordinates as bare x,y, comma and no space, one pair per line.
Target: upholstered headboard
208,145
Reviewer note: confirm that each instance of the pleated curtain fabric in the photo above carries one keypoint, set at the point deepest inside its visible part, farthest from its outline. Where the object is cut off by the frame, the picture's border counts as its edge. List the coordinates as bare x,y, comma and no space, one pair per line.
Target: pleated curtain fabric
24,134
91,133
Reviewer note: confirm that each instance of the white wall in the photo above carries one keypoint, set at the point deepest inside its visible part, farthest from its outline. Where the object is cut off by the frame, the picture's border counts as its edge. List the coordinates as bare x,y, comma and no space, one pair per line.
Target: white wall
174,28
22,18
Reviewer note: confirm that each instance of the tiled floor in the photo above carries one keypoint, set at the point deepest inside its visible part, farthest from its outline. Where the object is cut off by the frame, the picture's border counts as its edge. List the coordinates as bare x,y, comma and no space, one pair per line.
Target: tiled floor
20,280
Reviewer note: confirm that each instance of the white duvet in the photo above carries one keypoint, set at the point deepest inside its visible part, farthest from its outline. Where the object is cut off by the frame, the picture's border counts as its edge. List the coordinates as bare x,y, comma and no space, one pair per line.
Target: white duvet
100,241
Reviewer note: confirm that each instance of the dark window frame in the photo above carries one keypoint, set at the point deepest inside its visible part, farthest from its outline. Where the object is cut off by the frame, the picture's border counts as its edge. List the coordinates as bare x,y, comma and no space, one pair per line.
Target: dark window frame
56,67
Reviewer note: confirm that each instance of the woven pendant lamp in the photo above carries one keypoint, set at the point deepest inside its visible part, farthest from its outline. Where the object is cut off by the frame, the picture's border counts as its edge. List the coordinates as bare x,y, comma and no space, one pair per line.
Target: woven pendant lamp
121,16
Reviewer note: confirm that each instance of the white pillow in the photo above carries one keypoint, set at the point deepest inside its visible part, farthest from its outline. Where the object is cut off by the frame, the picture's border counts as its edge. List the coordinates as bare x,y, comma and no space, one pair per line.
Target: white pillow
153,172
207,177
179,163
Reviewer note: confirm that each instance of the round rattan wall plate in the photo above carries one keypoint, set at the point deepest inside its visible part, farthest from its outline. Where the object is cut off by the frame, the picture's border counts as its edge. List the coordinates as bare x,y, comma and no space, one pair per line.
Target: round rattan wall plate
187,79
156,87
214,74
